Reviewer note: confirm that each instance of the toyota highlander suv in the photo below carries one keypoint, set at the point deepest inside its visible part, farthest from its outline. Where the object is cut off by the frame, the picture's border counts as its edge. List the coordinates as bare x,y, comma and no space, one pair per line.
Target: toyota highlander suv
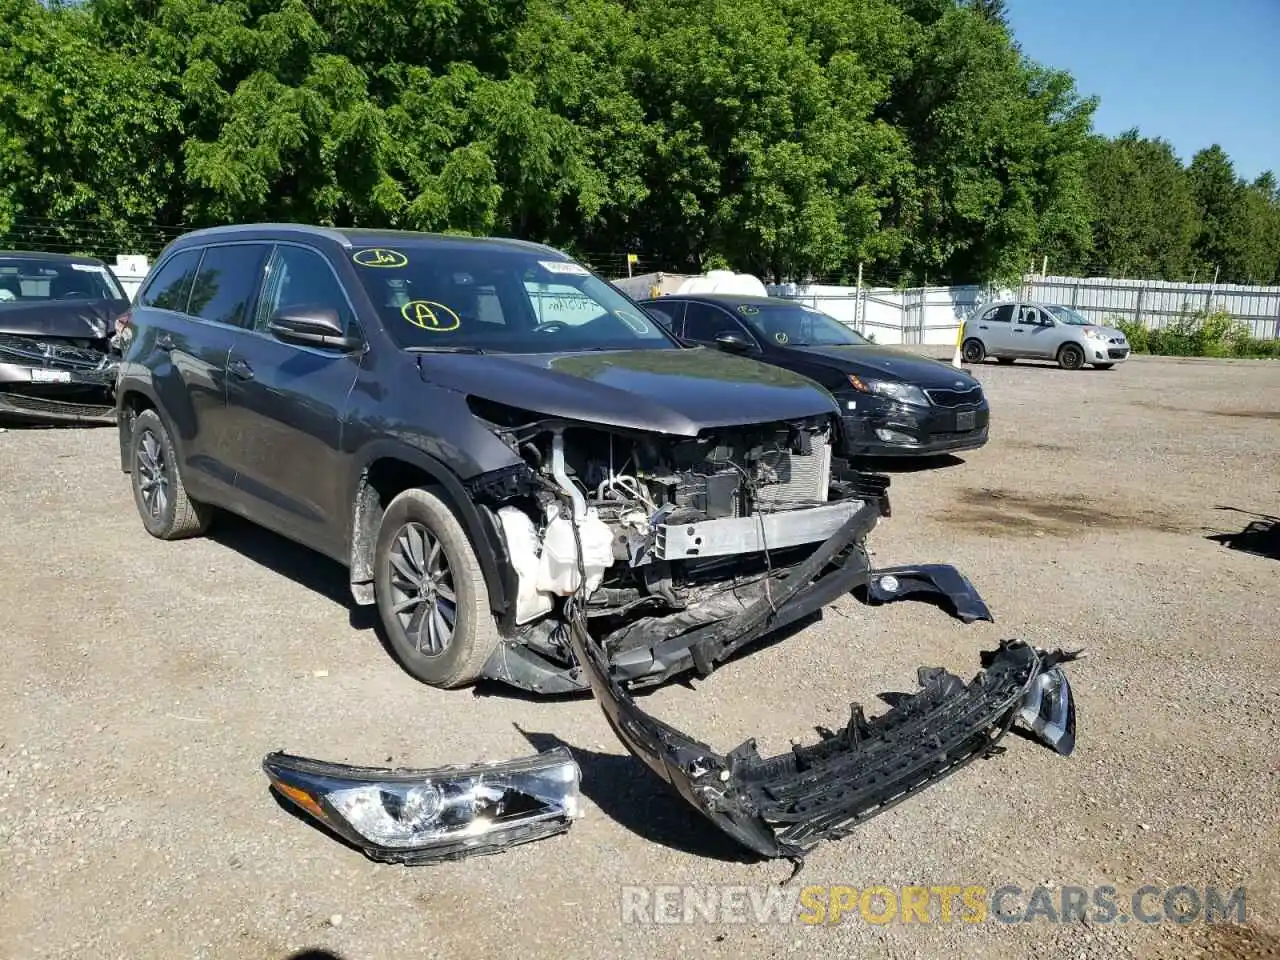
531,479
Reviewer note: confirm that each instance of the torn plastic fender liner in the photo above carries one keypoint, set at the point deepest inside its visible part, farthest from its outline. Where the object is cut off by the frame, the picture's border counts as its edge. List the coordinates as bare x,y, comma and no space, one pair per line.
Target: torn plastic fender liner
941,579
782,806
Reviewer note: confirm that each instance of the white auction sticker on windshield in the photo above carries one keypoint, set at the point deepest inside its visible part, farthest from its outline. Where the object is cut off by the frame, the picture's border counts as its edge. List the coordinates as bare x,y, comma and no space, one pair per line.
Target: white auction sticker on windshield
88,268
564,267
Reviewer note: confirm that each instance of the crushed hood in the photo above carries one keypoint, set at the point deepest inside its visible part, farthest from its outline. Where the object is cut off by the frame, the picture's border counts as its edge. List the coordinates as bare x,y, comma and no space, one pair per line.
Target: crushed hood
678,392
70,319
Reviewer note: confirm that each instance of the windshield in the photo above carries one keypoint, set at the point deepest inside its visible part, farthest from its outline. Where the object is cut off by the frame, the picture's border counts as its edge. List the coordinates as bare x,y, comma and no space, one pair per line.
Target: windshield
33,280
1067,315
441,296
796,325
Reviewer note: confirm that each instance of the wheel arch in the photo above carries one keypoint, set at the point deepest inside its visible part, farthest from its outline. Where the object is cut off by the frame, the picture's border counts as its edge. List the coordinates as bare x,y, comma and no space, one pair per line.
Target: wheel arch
131,401
387,468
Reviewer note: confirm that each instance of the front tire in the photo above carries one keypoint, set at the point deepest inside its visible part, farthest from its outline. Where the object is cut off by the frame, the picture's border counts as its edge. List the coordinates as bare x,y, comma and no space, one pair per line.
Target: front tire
431,592
972,351
167,512
1070,357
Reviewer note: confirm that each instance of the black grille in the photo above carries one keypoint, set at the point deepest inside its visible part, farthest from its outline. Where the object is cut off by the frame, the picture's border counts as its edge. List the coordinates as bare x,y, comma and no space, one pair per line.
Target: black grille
955,398
1117,354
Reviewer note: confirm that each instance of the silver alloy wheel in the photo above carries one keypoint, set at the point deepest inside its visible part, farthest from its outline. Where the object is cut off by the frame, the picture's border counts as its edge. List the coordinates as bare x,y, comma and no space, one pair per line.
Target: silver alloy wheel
153,481
423,598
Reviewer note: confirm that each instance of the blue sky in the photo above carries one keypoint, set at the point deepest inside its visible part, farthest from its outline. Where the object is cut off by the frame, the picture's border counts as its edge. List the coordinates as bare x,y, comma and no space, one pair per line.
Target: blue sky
1195,73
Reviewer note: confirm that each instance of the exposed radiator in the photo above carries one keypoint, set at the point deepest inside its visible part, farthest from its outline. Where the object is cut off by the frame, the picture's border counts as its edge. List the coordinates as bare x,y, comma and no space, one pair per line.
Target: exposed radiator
788,480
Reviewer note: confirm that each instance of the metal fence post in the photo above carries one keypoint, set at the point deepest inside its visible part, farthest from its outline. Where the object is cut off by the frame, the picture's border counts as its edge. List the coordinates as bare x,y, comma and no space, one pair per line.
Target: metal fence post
857,298
1137,313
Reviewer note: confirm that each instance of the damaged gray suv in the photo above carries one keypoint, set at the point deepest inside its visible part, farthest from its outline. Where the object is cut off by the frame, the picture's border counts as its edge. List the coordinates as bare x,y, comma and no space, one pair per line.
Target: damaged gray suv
535,483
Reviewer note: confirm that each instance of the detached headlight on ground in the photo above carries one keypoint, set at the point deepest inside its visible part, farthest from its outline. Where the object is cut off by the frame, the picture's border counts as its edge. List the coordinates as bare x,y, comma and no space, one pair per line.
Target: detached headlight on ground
892,389
413,816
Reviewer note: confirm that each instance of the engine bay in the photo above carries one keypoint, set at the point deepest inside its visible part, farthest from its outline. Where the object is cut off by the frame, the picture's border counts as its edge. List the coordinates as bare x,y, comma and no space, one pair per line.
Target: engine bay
659,537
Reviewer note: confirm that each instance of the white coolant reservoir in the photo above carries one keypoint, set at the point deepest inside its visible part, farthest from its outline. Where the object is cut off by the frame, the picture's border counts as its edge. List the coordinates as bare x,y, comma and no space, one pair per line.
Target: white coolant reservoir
522,545
559,570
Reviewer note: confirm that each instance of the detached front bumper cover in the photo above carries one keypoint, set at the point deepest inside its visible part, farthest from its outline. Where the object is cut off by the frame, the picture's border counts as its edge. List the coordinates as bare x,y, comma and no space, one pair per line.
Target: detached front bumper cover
415,816
782,806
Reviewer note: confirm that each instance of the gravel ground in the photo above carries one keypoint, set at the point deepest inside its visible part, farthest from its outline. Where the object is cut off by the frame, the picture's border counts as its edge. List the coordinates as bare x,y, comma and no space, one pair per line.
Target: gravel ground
147,680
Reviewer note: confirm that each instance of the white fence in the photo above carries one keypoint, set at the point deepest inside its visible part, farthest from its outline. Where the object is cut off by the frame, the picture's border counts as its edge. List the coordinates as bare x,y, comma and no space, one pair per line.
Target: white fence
932,315
919,315
1155,303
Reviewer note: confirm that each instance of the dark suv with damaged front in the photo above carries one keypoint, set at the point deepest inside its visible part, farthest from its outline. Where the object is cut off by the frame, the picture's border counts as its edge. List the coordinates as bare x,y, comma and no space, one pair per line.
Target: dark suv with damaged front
531,479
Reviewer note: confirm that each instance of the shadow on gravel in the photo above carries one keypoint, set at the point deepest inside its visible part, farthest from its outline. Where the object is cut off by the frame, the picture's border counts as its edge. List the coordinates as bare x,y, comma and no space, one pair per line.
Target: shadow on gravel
303,566
1260,537
22,423
314,955
626,791
908,464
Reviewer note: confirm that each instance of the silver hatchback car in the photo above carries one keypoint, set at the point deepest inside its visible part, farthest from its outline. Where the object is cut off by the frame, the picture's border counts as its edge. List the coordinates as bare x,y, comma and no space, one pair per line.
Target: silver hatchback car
1020,330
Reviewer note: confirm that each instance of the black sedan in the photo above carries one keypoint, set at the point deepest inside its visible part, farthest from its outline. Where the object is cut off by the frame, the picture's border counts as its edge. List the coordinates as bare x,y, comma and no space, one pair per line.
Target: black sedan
57,316
894,402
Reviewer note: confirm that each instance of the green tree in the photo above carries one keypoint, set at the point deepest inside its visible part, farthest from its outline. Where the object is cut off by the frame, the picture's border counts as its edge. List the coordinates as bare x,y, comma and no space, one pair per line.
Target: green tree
79,128
1145,217
1220,197
998,145
1260,251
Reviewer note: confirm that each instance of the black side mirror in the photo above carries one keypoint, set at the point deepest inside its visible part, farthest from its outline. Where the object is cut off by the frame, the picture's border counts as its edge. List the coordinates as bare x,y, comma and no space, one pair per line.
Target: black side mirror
312,327
733,342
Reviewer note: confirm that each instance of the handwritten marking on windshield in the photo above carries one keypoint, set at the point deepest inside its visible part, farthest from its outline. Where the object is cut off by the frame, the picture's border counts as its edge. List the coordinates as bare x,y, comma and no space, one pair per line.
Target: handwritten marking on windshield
431,316
379,257
631,320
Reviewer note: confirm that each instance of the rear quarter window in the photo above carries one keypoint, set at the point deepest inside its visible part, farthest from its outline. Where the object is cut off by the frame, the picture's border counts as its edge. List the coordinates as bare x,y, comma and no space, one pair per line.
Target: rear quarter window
170,286
227,281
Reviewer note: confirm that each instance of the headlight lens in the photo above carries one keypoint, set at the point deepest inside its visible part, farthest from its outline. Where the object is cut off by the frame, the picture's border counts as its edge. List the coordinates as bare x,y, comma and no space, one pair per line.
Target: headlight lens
418,815
892,389
1094,334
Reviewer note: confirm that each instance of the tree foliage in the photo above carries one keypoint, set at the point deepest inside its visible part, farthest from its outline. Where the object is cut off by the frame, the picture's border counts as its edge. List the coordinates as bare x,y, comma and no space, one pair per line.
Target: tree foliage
790,138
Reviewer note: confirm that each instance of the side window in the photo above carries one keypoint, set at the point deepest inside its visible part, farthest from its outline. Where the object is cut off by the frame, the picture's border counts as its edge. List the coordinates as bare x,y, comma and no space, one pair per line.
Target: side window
226,282
169,287
1030,316
702,322
1001,314
667,314
298,277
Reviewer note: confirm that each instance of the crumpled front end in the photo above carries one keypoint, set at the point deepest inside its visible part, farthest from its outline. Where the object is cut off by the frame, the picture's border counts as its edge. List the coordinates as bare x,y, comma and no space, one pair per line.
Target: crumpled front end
782,806
56,378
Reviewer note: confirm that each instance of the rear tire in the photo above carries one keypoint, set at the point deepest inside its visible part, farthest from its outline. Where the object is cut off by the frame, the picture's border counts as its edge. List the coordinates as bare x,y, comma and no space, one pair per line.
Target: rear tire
972,351
425,570
1070,357
167,512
